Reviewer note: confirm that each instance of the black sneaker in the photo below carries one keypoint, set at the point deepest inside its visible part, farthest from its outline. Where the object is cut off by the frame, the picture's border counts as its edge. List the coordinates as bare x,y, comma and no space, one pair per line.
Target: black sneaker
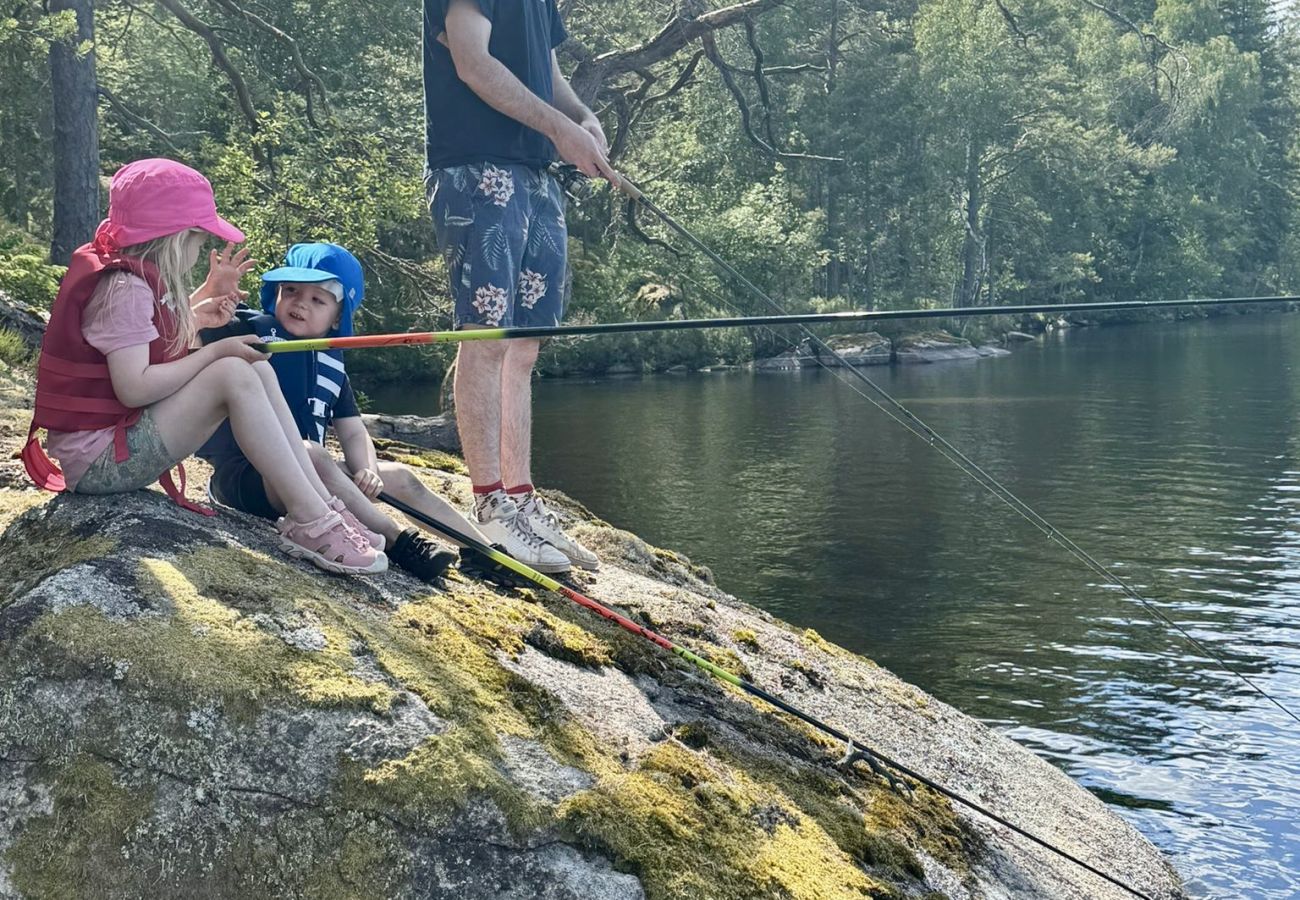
479,565
420,556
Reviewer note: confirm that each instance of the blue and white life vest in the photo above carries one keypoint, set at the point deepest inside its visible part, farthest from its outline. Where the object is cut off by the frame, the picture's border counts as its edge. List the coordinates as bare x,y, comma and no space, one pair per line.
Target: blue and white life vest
311,382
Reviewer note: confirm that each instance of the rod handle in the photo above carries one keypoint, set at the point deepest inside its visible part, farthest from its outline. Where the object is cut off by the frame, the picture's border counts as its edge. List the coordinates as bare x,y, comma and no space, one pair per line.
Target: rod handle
625,186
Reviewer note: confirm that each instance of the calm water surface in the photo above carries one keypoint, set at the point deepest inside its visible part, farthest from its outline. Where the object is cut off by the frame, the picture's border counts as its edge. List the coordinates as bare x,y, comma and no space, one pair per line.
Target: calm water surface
1170,452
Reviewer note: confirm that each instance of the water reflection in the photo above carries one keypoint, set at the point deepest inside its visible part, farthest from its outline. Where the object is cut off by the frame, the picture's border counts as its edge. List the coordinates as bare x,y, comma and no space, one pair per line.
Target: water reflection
1171,453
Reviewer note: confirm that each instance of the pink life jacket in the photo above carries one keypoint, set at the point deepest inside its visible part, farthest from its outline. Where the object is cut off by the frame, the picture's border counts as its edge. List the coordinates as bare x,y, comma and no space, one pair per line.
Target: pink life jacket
74,391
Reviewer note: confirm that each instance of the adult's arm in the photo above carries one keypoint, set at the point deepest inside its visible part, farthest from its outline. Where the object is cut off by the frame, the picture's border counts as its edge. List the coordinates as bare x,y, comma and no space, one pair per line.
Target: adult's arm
567,102
468,34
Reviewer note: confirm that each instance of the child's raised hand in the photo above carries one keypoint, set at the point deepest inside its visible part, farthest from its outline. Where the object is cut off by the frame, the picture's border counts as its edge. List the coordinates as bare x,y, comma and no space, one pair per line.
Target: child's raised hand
214,311
368,482
240,347
225,269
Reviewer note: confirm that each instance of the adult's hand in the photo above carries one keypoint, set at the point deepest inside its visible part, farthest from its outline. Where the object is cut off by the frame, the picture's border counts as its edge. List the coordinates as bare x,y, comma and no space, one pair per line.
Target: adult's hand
578,145
591,125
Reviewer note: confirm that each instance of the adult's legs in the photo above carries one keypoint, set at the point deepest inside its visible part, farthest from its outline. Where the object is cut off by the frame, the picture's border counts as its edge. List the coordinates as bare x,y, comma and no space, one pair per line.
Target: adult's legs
477,389
517,411
230,388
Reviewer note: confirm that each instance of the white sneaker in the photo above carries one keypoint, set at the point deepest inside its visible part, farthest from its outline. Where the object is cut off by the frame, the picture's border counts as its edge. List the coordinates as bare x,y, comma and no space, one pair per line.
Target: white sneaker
499,519
546,525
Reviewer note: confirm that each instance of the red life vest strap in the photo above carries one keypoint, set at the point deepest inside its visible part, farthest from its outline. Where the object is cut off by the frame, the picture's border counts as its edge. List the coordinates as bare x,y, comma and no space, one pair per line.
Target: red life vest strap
40,468
178,494
73,403
48,476
72,369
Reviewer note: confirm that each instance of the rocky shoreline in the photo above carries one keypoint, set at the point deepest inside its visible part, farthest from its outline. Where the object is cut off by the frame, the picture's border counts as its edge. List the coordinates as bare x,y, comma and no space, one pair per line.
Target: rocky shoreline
873,349
186,712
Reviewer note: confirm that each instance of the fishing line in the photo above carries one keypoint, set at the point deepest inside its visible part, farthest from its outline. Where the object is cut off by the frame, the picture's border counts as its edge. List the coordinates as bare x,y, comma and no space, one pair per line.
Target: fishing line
855,751
896,411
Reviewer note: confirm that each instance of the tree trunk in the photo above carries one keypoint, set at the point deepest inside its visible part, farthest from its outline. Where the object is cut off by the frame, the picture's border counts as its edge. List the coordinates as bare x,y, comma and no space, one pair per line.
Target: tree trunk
76,134
972,251
834,268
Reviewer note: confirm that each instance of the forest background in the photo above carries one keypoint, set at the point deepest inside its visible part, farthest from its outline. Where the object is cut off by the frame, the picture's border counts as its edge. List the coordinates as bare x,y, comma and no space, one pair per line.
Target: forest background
844,154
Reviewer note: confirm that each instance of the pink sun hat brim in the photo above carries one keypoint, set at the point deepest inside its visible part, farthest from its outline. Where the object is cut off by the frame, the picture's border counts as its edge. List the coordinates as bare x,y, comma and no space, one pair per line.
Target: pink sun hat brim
152,198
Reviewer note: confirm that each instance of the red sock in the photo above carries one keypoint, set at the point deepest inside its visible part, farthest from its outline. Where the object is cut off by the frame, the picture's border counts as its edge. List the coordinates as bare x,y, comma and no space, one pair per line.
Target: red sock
481,489
525,488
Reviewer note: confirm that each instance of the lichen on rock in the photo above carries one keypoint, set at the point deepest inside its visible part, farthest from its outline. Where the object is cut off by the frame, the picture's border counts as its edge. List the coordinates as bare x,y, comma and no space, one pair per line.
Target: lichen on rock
186,712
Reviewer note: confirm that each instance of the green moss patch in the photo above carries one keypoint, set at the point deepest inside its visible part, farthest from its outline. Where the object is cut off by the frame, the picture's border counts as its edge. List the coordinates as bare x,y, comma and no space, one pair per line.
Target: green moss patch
208,651
418,458
36,554
82,842
687,825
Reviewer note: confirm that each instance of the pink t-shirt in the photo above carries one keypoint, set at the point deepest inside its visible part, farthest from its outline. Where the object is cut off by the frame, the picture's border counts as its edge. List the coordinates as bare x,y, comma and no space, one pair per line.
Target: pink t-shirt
119,314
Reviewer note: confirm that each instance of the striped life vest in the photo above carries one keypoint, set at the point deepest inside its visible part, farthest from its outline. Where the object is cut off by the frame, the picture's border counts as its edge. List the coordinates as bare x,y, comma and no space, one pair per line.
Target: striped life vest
312,382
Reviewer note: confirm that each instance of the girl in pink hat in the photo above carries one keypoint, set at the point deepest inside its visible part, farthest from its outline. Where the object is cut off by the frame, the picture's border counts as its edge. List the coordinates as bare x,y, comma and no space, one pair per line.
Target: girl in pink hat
123,399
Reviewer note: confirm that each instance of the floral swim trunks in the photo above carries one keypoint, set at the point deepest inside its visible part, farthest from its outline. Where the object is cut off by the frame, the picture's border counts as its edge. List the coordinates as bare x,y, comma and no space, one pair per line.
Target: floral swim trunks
502,233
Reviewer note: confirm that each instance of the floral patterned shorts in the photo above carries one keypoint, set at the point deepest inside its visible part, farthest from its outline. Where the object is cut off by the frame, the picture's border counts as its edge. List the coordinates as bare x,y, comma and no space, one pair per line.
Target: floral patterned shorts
148,461
502,233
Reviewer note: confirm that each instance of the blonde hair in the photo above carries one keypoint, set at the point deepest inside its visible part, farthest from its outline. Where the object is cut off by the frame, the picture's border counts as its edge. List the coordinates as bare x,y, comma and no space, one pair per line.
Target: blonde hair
174,255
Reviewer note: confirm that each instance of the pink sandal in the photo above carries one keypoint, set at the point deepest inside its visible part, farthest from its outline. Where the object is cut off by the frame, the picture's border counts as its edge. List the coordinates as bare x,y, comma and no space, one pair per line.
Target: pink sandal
330,544
375,539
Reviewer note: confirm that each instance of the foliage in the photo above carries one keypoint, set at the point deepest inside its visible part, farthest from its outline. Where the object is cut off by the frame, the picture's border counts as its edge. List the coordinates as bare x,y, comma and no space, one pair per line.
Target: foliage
14,351
924,152
26,276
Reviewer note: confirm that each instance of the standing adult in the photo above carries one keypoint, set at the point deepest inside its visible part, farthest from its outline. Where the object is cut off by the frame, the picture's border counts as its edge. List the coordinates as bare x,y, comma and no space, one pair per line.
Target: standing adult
497,111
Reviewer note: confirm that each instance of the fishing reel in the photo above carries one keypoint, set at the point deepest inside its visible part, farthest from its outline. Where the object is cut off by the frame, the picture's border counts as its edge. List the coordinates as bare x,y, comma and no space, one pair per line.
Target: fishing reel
576,186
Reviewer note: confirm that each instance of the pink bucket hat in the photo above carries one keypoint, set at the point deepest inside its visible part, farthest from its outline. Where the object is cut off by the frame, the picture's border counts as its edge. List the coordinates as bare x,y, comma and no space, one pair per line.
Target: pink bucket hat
152,198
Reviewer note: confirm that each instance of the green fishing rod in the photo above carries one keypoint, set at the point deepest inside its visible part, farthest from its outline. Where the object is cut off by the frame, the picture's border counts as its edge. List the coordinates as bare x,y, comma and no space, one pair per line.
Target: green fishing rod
413,338
855,750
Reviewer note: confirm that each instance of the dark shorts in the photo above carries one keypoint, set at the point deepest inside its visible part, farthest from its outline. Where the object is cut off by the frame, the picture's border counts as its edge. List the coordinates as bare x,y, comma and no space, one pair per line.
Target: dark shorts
235,483
502,234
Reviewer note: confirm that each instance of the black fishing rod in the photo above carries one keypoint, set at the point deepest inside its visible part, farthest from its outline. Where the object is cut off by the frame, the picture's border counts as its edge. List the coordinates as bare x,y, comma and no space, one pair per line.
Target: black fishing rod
410,338
909,420
855,751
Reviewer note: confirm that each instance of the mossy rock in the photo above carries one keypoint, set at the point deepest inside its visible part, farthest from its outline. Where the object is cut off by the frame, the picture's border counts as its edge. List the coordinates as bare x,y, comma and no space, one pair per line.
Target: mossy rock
186,712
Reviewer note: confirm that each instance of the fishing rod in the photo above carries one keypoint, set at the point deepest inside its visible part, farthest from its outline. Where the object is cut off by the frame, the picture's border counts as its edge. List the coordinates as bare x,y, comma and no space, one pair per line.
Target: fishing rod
855,750
895,410
357,342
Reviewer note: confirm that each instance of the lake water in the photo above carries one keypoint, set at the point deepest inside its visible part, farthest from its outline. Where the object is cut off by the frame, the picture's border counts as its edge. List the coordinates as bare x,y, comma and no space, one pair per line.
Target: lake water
1170,452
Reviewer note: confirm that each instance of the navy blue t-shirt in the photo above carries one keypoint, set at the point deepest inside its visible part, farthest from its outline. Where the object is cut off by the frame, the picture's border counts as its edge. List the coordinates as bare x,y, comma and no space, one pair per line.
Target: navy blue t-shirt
460,127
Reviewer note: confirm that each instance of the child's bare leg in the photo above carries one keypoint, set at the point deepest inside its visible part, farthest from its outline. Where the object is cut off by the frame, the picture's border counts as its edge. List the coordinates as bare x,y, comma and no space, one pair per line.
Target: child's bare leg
340,484
230,388
275,397
401,483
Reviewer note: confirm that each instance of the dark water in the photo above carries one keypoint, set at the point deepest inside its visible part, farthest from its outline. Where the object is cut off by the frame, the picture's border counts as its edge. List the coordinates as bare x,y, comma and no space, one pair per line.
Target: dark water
1170,452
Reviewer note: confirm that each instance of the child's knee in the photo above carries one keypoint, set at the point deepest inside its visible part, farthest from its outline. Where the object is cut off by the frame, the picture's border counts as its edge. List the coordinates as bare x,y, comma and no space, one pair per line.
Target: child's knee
320,457
232,373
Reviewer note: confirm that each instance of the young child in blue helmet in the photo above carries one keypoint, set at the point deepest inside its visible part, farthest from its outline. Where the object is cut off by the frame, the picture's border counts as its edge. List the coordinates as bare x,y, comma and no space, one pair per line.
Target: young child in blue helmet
315,294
